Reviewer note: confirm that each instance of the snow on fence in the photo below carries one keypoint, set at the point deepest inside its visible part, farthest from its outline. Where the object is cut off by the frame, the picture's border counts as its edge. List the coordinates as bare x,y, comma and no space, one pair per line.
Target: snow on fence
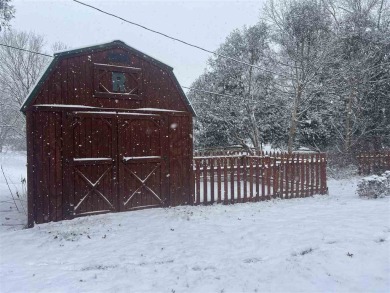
233,152
373,162
247,178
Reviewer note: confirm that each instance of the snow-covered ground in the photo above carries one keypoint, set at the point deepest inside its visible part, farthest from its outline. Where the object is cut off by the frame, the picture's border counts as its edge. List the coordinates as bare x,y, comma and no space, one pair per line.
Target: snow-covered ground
335,243
14,167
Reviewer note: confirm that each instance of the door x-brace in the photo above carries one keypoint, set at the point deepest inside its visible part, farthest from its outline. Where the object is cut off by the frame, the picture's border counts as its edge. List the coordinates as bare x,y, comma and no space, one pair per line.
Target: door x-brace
143,185
93,187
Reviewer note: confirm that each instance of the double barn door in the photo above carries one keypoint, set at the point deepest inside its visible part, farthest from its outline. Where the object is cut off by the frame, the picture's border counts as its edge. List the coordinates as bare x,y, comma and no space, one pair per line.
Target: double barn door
116,162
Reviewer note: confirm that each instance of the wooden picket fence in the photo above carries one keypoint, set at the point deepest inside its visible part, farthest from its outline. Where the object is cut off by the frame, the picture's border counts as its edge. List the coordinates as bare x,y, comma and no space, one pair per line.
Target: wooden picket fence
373,162
243,178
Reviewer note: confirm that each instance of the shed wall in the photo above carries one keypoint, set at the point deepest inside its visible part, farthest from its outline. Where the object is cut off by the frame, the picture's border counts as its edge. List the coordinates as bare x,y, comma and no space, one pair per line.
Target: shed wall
71,82
47,166
47,173
180,152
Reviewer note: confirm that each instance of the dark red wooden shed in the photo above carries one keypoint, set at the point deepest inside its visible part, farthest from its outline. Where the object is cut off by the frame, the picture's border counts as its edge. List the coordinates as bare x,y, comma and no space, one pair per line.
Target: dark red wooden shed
108,129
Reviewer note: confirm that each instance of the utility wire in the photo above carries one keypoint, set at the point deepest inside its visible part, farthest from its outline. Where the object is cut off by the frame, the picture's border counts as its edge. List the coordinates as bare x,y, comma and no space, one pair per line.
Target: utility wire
9,46
176,39
208,92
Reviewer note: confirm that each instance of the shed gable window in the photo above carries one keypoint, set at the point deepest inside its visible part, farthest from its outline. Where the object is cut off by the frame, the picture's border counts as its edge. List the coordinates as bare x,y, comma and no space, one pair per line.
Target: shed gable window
118,82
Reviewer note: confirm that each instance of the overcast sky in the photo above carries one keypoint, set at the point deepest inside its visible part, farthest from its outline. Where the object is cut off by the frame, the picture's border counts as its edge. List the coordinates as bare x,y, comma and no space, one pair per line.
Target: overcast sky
204,23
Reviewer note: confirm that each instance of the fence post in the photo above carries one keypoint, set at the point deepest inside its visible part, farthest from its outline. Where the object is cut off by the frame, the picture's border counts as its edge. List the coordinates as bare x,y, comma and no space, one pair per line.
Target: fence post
307,175
311,174
245,177
205,191
238,162
225,181
212,180
265,175
197,180
262,172
317,171
292,175
297,174
275,179
257,160
282,175
232,180
288,173
302,176
219,180
324,164
251,178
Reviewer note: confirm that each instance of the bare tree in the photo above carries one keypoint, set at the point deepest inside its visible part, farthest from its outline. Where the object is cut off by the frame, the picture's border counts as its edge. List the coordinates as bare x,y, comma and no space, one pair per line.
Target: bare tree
19,71
58,46
7,12
301,31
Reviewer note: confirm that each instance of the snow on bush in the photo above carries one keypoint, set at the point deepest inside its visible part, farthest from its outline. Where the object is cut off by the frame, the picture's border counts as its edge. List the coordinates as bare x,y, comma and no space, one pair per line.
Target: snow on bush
374,186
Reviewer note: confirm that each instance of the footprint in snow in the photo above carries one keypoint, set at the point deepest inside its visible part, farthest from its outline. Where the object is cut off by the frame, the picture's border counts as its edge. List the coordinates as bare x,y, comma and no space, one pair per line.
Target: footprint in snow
252,260
380,240
198,268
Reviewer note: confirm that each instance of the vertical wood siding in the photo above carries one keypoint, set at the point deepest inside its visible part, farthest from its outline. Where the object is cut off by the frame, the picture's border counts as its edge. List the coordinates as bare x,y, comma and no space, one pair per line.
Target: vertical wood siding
55,138
71,83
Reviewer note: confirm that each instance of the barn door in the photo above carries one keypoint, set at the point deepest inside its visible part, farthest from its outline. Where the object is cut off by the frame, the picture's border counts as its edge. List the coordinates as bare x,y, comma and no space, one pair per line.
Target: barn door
91,164
142,161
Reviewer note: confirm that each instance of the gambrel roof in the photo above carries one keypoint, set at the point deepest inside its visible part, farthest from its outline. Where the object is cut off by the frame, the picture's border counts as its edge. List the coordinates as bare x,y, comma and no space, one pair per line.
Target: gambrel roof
90,49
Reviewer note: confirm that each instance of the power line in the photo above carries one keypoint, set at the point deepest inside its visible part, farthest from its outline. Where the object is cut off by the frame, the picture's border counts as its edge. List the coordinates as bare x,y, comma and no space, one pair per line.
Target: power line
9,46
175,39
208,92
186,87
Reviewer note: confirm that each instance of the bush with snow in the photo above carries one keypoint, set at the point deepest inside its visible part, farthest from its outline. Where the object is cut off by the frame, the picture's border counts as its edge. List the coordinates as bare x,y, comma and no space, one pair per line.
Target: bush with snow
374,186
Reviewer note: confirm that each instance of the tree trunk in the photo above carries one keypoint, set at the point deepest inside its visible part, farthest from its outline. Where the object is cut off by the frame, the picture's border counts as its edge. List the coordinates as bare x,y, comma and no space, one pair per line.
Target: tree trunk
256,135
293,124
347,142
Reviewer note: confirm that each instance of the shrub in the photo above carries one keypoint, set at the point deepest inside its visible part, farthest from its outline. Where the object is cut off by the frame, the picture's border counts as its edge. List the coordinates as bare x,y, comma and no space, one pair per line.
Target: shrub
374,186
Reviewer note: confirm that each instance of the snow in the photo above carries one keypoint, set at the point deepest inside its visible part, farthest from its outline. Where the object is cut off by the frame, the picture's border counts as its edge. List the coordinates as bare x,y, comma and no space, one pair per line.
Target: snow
118,66
374,186
13,165
158,110
141,158
113,113
91,159
65,106
335,243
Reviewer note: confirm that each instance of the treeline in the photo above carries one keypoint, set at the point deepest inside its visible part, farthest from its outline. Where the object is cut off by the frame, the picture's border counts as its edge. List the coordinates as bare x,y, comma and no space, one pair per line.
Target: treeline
320,78
19,70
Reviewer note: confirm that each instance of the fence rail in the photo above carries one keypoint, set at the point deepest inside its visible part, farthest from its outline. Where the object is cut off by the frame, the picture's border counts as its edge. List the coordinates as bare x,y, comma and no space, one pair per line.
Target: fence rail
248,178
373,162
216,153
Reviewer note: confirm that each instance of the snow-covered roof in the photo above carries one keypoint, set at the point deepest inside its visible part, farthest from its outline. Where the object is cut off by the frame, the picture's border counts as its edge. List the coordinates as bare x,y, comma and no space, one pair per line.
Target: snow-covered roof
40,79
113,111
100,45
